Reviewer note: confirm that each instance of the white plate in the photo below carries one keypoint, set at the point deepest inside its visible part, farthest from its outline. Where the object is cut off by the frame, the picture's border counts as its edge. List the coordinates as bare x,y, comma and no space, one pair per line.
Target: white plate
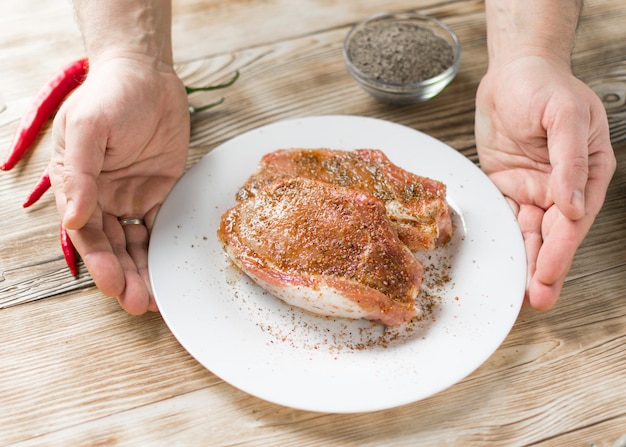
281,354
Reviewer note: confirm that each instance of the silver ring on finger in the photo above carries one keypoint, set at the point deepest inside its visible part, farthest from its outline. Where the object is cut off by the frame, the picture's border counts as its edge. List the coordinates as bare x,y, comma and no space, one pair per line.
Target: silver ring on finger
131,221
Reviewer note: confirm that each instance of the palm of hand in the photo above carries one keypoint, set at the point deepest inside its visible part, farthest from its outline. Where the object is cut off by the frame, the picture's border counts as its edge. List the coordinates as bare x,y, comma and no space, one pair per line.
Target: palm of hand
541,135
123,144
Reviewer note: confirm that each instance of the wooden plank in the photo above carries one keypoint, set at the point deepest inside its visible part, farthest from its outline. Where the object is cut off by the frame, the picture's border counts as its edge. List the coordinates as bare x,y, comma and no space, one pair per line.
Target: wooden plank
555,374
65,374
314,66
304,76
75,369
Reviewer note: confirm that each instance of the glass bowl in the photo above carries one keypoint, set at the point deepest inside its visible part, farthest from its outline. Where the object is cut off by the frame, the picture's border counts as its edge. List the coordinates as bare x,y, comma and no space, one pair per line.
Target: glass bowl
402,58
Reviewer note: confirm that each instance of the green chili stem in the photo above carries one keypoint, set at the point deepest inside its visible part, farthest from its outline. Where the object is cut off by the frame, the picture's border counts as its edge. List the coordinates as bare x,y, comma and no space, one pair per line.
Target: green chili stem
193,109
228,83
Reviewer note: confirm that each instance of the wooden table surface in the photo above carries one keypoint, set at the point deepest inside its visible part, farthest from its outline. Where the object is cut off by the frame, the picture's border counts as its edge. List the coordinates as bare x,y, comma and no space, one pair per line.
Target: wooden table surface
76,370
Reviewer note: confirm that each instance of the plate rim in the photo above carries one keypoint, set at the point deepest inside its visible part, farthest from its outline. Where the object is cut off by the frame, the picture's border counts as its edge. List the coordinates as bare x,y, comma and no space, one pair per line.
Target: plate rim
269,396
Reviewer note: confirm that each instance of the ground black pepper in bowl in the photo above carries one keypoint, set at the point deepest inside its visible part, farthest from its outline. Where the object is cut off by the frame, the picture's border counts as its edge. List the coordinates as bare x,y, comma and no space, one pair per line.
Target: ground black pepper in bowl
399,53
402,58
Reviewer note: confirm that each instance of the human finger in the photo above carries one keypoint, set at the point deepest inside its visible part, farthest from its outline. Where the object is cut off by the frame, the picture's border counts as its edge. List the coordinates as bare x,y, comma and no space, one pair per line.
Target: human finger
602,166
564,236
149,219
134,297
568,137
561,240
97,253
76,168
529,220
137,247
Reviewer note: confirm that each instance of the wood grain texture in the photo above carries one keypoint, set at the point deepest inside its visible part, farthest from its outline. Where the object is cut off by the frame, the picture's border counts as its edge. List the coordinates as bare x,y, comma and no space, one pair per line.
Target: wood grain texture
76,370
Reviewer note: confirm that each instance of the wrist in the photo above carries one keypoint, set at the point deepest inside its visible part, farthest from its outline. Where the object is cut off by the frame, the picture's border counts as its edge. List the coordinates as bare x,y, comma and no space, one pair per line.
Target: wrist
129,29
127,55
532,28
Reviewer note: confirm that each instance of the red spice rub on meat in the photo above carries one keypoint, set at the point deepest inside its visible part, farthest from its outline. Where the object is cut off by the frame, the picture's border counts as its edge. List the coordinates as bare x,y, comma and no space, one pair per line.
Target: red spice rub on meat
416,205
325,248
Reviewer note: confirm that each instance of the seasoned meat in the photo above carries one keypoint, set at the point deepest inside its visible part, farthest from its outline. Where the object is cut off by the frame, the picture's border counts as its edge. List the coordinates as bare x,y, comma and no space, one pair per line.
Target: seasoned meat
324,248
416,205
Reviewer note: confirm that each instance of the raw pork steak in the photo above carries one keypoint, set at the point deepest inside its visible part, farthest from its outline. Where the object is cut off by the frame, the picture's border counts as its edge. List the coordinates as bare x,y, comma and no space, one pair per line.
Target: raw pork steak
324,248
416,205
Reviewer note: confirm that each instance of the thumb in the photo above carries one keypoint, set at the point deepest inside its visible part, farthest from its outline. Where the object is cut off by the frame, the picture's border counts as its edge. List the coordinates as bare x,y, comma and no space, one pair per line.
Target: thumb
76,164
567,144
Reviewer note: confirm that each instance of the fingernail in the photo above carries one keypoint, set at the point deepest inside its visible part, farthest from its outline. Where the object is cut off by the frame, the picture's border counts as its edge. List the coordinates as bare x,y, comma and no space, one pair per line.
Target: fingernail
69,208
578,200
70,214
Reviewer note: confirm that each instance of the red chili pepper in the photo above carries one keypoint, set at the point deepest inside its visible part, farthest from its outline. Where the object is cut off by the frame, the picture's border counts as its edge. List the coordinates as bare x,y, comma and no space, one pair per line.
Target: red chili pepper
48,99
42,185
69,252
